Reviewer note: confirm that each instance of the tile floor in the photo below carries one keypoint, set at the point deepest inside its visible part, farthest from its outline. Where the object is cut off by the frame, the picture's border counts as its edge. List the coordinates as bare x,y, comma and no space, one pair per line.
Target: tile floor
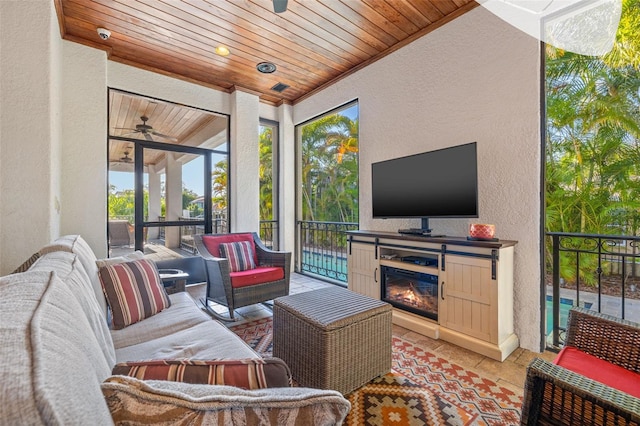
509,374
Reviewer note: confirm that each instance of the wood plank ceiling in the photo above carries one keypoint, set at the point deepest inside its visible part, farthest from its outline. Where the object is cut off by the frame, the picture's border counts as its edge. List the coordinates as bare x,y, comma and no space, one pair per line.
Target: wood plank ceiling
165,122
313,43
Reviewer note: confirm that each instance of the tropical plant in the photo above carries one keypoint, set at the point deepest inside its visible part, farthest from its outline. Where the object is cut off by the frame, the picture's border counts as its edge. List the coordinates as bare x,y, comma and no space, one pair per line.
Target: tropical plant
593,139
266,173
330,169
219,185
121,204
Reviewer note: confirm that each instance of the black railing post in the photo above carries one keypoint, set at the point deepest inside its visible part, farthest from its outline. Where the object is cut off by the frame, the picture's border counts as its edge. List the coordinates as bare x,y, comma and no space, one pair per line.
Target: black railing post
556,290
624,275
599,272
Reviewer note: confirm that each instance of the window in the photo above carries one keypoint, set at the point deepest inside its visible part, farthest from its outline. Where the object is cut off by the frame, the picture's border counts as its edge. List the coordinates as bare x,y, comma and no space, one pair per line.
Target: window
328,191
167,173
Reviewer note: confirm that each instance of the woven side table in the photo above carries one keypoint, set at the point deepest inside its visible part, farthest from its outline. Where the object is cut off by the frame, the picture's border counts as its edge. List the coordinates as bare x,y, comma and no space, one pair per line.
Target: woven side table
332,338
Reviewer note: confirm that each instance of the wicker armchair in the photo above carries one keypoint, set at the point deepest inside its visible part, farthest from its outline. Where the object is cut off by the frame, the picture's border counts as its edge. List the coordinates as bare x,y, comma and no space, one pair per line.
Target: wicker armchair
554,395
223,285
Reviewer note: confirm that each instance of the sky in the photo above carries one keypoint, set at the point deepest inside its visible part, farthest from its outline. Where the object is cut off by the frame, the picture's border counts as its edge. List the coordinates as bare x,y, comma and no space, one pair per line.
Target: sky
191,177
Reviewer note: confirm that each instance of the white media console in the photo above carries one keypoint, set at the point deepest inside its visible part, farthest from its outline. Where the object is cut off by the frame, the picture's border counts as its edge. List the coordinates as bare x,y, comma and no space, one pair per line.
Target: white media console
474,290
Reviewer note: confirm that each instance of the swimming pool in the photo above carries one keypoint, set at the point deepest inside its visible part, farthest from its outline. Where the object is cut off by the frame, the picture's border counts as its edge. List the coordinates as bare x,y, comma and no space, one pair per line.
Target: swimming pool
565,306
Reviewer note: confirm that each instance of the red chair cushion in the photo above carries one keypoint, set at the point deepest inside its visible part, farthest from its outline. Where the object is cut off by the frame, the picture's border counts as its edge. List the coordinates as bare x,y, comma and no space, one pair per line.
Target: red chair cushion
599,370
212,243
256,276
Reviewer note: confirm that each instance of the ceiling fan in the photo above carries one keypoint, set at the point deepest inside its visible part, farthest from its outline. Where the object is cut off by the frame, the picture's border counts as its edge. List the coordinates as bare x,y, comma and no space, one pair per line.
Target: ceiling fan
126,158
147,131
279,6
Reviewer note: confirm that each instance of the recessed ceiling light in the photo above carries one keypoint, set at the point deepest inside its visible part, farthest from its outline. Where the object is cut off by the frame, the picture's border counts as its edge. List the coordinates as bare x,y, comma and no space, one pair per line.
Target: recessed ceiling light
222,50
266,67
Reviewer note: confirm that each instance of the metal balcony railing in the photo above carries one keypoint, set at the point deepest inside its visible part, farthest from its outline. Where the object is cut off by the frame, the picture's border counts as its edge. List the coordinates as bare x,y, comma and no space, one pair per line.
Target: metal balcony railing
322,249
269,234
599,272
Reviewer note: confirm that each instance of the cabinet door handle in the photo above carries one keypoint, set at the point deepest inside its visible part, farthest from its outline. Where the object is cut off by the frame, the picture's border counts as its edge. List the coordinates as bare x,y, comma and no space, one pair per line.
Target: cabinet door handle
375,274
442,290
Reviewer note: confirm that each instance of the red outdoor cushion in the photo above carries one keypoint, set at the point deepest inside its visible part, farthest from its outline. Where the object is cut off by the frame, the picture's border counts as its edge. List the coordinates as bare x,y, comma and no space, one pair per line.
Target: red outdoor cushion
256,276
599,370
212,243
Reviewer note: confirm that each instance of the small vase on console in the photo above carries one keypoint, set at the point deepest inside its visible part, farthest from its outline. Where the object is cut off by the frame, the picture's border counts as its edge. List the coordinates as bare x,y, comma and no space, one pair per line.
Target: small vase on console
482,231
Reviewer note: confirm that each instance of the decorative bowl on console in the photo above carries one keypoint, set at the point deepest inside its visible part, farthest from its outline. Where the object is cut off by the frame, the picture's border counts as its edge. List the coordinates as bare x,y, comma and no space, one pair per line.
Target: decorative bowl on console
482,231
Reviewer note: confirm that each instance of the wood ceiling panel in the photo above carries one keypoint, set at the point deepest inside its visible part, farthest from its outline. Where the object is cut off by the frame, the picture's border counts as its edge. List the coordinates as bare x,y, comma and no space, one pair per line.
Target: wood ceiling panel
184,124
313,43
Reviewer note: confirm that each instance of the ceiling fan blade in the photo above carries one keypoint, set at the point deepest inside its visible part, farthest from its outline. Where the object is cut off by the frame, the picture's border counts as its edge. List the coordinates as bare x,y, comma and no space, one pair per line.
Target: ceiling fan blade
171,138
124,128
148,137
279,6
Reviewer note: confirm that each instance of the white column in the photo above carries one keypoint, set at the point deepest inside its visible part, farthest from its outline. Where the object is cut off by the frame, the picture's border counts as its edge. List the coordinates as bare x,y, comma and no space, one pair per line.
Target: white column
173,197
245,162
287,178
155,209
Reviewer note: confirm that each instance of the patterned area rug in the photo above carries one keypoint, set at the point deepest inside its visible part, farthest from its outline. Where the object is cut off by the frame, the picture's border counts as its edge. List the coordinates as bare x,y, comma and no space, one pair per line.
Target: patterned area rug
421,389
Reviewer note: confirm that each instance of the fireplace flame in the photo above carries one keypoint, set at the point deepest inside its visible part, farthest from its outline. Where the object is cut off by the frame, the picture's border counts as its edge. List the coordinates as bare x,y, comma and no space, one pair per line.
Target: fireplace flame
410,296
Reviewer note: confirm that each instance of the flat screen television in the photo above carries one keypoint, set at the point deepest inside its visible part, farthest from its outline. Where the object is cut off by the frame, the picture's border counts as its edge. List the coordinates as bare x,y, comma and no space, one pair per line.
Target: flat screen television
434,184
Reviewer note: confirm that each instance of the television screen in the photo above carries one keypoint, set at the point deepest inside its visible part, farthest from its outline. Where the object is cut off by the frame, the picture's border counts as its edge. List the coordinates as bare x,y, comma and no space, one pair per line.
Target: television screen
434,184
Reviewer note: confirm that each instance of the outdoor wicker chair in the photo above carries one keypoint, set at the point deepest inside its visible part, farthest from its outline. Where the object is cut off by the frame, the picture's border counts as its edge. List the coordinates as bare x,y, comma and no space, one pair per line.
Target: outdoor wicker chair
555,395
234,289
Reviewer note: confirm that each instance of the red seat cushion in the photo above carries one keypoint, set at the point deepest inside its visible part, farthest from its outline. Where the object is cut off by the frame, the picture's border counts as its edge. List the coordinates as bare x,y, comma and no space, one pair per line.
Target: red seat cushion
212,243
599,370
256,276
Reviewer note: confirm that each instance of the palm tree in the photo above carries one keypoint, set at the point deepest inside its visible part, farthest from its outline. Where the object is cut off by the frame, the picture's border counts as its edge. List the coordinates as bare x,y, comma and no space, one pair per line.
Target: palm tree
330,169
266,173
219,182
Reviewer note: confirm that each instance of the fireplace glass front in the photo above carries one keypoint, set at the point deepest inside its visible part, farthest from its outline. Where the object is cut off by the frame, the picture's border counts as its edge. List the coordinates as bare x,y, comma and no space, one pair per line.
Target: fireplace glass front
411,291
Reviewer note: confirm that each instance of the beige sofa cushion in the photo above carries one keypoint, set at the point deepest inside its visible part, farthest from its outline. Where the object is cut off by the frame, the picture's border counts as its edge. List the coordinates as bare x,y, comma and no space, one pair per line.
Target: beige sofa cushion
210,340
56,366
182,314
77,245
71,272
132,401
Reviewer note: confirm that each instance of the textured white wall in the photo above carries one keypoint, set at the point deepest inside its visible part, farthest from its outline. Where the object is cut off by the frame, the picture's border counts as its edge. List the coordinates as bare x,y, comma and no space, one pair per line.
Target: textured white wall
475,79
136,80
84,150
29,131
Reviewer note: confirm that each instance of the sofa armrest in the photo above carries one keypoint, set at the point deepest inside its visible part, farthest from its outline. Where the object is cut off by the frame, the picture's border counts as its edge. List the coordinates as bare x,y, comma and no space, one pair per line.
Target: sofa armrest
555,395
613,339
144,402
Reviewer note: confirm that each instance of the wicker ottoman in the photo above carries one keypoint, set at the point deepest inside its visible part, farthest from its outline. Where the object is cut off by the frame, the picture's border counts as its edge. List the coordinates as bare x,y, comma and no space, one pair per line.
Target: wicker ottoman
332,338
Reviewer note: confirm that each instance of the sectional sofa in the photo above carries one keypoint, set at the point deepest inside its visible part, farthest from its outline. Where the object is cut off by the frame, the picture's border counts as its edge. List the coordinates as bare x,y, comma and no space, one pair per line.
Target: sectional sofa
65,359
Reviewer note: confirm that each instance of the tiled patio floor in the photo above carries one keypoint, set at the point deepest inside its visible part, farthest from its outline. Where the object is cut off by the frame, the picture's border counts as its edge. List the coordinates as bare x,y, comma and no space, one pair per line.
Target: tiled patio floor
509,374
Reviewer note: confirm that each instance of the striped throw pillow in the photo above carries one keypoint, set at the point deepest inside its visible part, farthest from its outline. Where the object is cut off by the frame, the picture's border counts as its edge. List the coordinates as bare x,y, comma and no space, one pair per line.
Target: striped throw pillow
133,290
239,254
243,373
